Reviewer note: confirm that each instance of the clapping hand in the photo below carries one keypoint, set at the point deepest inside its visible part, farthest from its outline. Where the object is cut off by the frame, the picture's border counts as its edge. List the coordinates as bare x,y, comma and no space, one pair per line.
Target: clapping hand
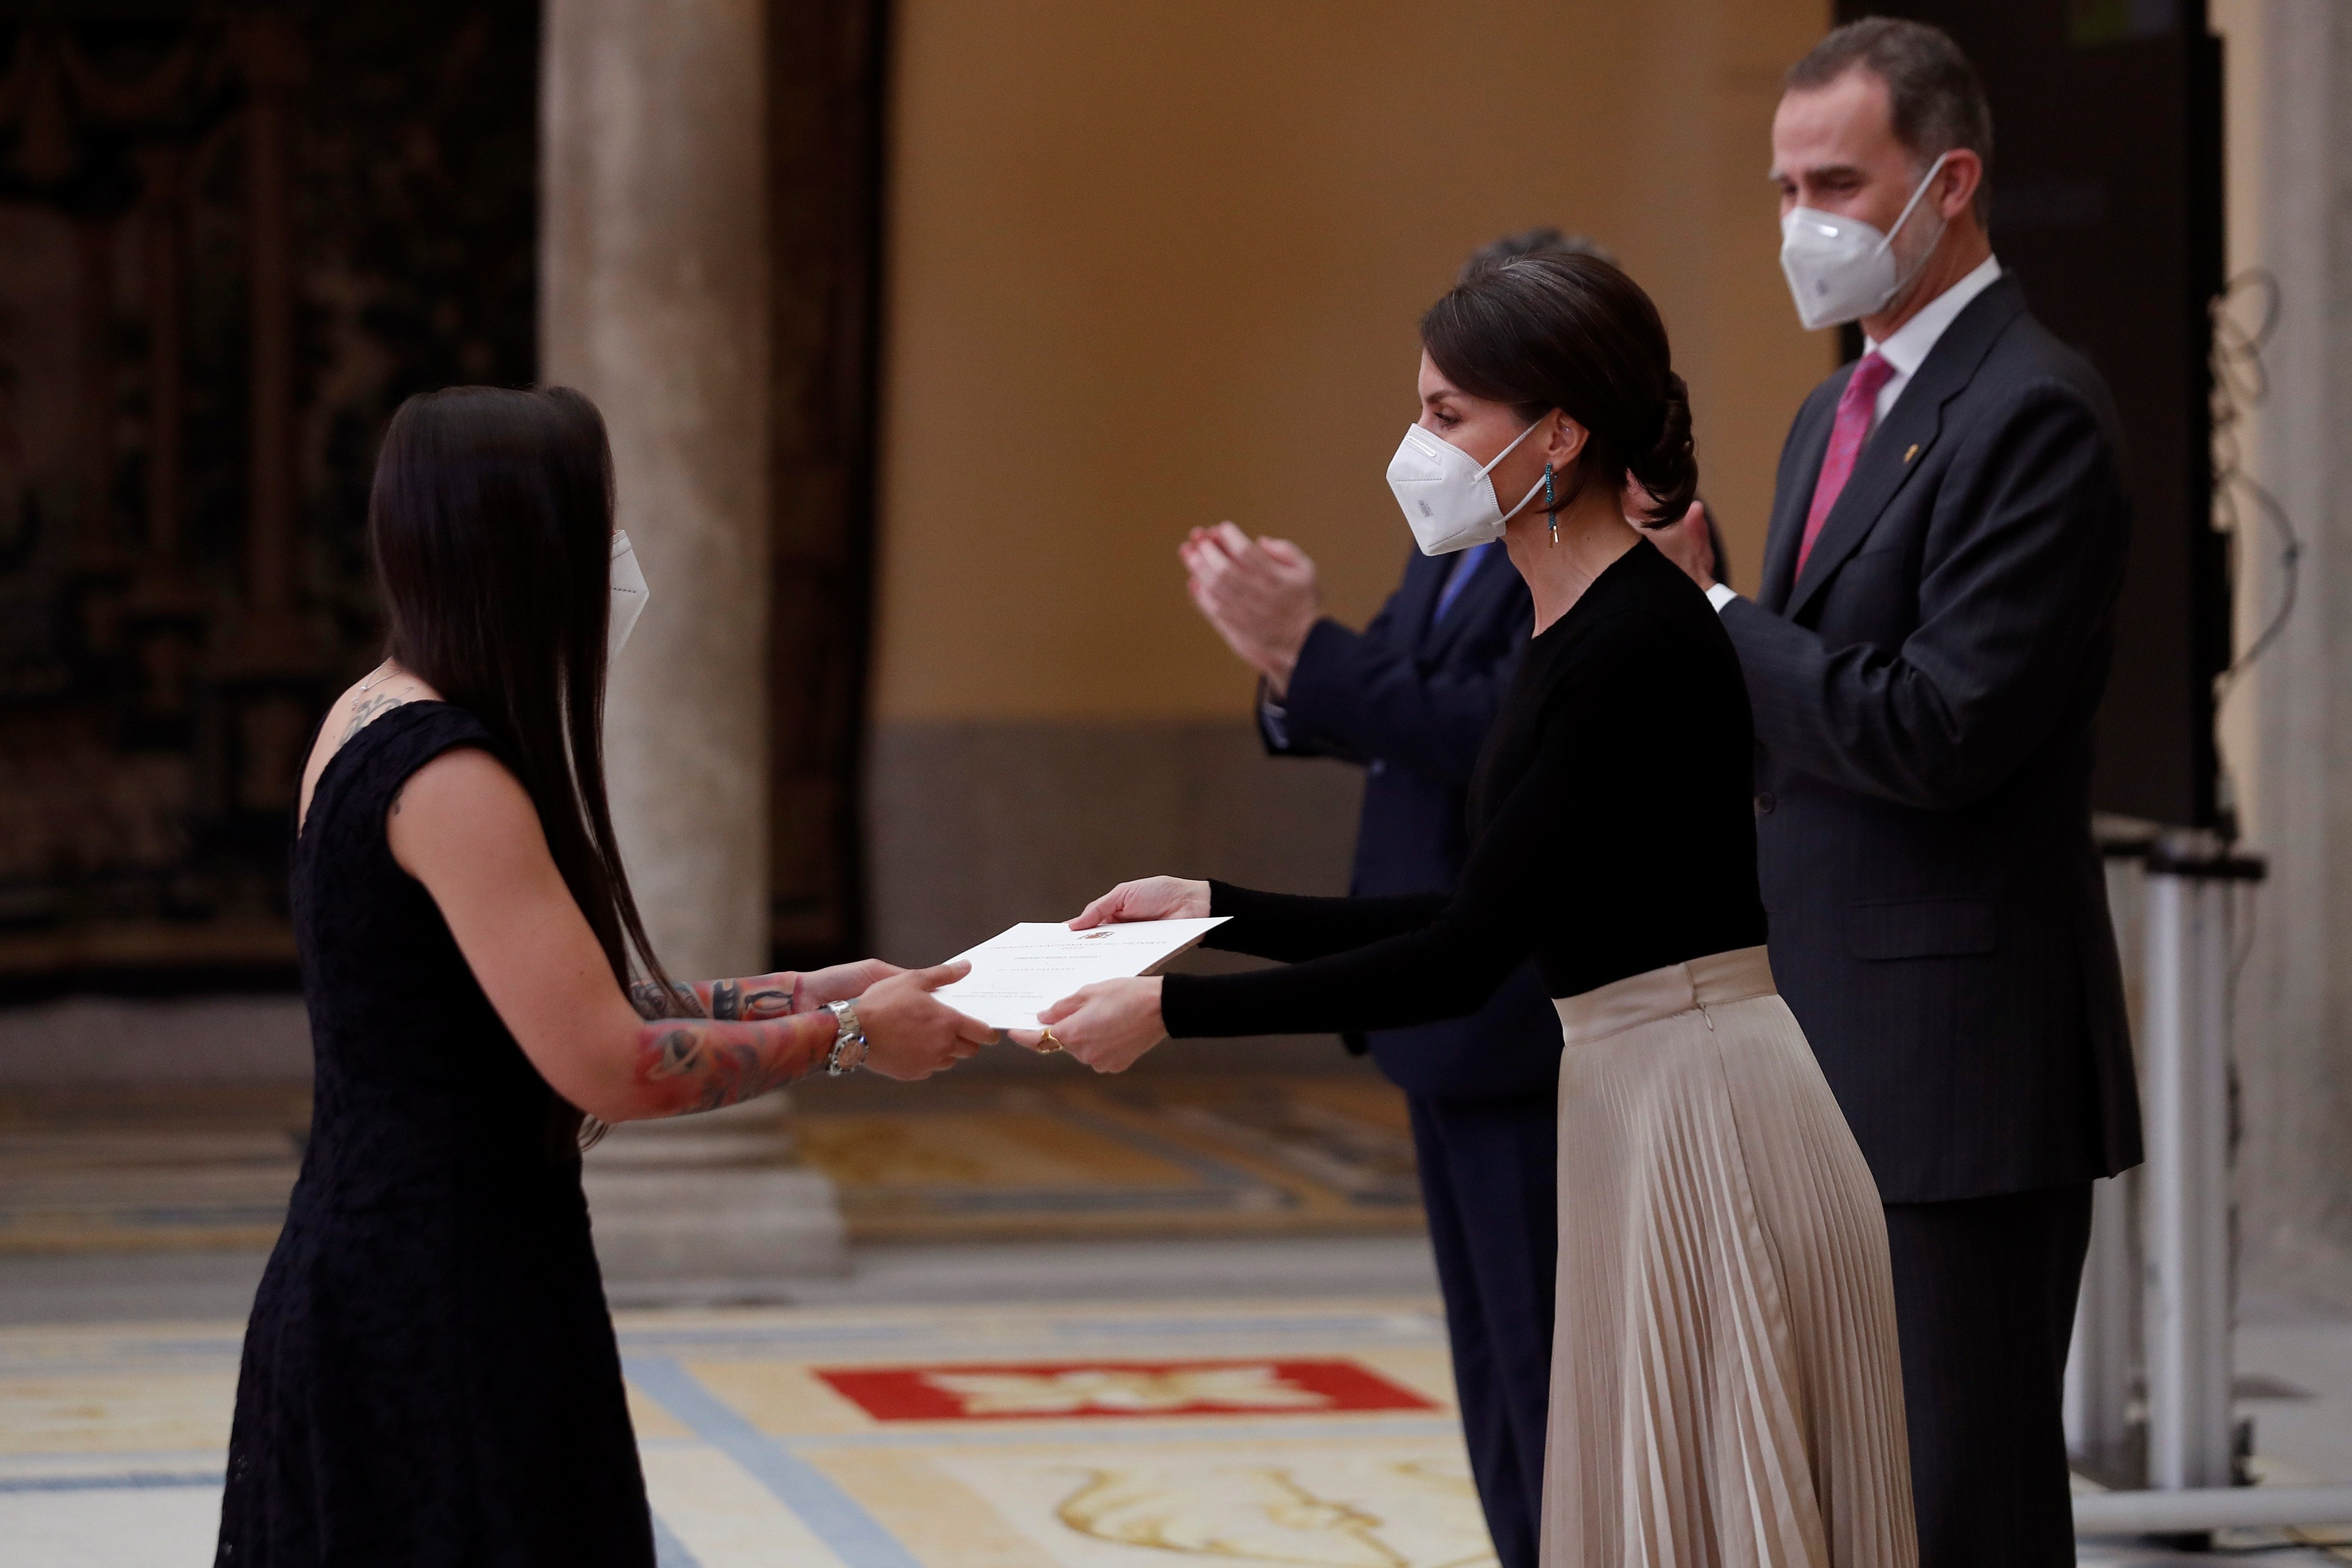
1111,1023
1260,595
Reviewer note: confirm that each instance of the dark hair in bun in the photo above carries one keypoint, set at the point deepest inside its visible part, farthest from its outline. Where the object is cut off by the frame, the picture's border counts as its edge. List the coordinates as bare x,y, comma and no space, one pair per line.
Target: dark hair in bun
1572,332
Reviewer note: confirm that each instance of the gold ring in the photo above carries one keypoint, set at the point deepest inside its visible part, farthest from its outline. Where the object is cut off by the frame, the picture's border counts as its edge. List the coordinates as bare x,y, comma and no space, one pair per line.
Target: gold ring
1047,1044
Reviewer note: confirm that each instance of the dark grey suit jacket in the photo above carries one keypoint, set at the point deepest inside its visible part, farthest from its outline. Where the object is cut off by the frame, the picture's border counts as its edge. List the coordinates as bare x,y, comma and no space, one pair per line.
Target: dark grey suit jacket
1924,697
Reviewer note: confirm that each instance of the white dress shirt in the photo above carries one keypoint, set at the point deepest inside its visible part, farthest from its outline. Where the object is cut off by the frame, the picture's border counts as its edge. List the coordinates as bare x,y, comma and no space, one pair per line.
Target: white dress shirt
1905,349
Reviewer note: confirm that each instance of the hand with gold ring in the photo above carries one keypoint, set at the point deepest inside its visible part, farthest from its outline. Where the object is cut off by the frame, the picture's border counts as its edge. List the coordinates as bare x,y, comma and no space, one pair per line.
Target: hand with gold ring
1107,1025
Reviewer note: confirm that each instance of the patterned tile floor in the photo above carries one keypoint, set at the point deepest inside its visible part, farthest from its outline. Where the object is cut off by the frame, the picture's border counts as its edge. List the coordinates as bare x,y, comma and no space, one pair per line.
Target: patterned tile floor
1198,1407
1304,1434
990,1156
1030,1437
1068,1153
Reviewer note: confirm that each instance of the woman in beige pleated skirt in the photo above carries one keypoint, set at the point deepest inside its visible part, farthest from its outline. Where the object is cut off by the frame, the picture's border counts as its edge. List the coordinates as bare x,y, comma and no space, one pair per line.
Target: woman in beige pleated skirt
1725,1387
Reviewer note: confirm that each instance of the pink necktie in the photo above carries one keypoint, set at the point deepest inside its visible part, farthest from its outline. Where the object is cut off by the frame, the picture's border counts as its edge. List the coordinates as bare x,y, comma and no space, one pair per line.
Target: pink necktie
1855,406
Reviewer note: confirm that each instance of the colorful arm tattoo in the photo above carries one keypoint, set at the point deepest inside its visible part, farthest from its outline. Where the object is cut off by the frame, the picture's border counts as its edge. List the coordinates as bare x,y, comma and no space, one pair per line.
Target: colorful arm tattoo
696,1064
761,997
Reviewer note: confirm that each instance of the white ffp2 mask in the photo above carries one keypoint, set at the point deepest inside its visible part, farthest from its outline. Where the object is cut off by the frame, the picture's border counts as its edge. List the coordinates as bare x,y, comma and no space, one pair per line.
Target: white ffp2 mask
1448,500
1841,269
629,595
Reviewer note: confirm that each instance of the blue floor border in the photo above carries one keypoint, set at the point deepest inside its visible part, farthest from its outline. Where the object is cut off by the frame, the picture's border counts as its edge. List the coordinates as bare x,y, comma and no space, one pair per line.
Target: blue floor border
830,1514
133,1481
669,1552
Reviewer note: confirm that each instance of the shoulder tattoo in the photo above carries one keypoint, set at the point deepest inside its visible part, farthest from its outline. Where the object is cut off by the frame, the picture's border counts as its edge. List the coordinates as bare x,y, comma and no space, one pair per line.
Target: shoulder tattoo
366,710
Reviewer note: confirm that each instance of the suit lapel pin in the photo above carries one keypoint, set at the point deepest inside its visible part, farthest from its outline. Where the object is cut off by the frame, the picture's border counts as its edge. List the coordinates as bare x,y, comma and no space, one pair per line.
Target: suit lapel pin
1910,452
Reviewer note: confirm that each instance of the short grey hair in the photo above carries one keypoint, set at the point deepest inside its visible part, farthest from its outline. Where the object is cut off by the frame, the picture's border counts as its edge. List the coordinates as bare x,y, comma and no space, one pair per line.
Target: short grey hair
1933,95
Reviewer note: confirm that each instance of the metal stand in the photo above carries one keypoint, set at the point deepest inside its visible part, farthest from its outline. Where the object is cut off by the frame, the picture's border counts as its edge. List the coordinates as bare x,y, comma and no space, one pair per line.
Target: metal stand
2185,1071
2104,1434
2107,1427
2182,1297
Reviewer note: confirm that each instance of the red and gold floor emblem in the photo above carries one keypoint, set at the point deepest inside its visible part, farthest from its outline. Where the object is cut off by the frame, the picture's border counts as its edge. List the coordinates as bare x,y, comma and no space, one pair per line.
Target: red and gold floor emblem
1063,1389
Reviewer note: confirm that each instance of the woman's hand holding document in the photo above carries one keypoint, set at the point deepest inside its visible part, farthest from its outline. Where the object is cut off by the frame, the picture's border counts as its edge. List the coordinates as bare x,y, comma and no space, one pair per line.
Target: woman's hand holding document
1021,972
1112,1016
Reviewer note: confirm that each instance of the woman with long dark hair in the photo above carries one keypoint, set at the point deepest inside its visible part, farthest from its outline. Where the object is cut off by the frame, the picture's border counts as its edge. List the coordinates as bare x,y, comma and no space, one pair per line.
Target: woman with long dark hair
430,1375
1725,1387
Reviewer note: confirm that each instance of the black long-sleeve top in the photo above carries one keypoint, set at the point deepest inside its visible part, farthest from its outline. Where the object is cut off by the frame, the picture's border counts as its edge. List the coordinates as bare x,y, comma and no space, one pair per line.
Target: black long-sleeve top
1613,826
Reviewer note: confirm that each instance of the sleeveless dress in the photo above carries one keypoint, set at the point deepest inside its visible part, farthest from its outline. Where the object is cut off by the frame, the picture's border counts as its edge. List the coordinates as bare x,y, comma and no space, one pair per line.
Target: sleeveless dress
430,1375
1726,1386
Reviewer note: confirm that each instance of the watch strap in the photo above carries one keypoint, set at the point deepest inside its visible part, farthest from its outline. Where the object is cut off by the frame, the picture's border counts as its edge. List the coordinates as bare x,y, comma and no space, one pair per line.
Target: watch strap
848,1053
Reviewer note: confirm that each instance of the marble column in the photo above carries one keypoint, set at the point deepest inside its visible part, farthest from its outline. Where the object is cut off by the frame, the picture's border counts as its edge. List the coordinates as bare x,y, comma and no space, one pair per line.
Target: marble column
2295,1000
654,301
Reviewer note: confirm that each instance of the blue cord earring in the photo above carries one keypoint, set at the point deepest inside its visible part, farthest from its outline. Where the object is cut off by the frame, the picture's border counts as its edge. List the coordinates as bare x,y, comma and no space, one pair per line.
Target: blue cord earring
1551,506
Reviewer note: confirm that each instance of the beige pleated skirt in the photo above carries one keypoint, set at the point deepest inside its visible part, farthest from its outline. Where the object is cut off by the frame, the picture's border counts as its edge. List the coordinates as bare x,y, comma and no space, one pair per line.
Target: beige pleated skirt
1725,1386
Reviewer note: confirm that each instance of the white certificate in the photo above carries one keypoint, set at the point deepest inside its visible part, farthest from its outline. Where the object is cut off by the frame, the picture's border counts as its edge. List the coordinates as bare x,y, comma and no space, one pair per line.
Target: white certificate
1038,962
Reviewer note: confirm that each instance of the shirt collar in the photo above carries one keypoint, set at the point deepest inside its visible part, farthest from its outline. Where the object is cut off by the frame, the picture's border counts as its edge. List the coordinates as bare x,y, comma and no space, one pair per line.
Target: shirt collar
1907,348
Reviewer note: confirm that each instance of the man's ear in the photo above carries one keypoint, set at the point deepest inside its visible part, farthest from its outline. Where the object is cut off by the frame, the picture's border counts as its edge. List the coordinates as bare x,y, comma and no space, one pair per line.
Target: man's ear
1958,179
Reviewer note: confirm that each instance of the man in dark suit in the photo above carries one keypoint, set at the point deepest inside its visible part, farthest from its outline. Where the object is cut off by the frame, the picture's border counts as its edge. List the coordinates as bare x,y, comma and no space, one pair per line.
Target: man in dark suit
1926,654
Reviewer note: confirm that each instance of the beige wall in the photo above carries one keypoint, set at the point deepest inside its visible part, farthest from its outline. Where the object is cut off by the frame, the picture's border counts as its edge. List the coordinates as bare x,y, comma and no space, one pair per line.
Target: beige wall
2288,731
1156,265
2240,24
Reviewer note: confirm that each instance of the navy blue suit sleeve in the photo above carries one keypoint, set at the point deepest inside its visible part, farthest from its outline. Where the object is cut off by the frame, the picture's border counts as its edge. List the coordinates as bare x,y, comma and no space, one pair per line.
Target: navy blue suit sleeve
1301,738
2023,561
1364,699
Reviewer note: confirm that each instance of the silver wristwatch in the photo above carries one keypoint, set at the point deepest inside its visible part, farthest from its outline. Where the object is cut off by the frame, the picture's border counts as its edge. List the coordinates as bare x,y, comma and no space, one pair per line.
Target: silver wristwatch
848,1053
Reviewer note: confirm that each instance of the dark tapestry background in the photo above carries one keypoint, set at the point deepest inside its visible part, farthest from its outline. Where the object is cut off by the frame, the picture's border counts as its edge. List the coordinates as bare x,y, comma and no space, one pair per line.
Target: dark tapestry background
232,238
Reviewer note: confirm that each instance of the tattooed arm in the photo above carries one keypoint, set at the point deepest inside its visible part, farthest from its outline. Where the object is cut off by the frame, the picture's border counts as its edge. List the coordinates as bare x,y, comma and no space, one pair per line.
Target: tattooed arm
465,829
699,1064
762,996
780,995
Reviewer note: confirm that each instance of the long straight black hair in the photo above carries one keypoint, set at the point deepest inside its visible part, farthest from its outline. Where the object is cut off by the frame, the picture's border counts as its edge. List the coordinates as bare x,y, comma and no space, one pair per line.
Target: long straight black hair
491,523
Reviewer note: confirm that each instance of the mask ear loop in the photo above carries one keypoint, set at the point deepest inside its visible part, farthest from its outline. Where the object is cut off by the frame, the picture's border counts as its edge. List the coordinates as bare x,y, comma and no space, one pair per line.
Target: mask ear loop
1924,181
1551,506
1887,244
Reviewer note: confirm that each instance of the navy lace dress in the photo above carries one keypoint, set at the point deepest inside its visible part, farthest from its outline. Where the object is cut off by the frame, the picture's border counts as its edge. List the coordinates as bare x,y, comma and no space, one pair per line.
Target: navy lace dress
430,1375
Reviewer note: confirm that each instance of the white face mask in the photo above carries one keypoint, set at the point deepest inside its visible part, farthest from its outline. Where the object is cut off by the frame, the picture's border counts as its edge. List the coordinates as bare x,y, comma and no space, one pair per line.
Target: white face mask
1841,269
629,596
1448,499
